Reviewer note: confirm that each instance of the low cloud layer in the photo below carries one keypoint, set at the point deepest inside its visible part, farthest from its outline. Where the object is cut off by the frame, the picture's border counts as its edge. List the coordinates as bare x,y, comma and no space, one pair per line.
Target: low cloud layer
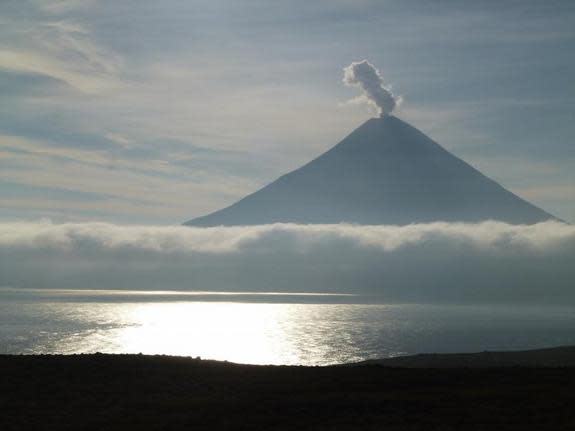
364,75
437,262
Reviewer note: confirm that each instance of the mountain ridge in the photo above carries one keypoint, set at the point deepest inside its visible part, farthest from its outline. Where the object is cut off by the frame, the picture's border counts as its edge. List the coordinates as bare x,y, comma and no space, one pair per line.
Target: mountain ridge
384,172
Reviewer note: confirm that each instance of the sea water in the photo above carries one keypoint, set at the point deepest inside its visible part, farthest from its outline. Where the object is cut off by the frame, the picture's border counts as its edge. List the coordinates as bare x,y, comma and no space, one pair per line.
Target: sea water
258,328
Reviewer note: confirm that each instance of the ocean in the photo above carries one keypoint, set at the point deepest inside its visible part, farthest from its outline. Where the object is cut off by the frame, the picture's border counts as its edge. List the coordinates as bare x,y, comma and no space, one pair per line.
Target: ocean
256,328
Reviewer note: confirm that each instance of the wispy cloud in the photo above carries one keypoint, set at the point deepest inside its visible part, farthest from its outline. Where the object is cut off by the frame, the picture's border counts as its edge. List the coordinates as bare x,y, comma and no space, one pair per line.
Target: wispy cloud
566,192
94,174
63,50
39,64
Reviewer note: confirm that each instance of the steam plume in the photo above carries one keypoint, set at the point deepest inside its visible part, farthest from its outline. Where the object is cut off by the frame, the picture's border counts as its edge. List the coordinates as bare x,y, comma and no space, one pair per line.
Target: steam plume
363,74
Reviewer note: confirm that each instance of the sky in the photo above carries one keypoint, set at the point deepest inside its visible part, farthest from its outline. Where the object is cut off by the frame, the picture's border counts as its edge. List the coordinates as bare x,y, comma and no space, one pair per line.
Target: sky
152,112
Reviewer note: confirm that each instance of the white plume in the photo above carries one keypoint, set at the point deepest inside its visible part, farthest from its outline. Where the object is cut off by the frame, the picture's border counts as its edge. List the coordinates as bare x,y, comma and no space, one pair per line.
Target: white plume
364,75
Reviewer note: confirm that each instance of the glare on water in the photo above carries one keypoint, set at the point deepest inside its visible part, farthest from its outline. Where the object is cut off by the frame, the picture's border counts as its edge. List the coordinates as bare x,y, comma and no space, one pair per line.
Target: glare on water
249,333
266,332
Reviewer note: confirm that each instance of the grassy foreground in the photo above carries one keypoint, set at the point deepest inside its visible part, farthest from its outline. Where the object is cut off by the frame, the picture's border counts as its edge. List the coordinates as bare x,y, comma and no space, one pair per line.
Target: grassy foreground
137,392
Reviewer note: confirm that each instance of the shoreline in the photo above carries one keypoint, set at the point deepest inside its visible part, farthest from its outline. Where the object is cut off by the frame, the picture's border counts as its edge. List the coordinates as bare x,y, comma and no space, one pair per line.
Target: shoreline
548,357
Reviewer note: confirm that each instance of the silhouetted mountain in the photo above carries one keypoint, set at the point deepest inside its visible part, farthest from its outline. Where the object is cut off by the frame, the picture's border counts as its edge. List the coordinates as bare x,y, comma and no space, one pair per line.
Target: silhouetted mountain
384,172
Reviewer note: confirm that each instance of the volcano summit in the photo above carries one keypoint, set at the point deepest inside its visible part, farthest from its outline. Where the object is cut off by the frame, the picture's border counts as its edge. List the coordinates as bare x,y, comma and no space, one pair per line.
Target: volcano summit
384,172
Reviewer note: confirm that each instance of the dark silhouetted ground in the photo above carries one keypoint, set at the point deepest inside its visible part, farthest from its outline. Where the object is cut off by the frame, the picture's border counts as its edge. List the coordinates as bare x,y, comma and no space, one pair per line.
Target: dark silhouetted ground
136,392
553,357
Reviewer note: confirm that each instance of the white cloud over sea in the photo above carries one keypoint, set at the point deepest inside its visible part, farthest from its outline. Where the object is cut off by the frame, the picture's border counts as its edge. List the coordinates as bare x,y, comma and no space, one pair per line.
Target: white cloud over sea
485,262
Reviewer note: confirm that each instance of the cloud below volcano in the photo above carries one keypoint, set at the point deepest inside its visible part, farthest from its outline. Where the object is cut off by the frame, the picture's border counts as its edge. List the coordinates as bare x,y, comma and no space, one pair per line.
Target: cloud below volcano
489,261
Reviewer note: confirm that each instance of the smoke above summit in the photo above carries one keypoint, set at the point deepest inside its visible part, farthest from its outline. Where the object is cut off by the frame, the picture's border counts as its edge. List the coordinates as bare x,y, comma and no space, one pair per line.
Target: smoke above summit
365,75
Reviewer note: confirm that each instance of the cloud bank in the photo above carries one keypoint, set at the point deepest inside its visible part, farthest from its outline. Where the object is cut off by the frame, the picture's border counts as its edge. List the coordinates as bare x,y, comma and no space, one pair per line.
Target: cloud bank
364,75
437,262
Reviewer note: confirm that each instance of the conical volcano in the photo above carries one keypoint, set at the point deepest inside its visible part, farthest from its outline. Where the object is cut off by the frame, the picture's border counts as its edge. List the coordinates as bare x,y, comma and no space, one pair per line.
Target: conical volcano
384,172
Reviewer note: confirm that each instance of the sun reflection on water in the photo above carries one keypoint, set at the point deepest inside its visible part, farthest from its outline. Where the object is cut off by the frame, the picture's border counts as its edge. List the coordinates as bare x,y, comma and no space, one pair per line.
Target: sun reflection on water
261,332
248,333
255,333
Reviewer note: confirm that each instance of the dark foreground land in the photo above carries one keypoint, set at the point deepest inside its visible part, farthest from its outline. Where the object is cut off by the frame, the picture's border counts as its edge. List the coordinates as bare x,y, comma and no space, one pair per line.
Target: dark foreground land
135,392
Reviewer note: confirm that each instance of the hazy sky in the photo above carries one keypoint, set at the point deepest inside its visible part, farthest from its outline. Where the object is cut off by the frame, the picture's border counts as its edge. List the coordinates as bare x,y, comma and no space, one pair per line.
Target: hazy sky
146,111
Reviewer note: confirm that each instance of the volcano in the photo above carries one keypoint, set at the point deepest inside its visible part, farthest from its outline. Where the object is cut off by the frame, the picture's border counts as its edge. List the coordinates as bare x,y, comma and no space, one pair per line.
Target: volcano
384,172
